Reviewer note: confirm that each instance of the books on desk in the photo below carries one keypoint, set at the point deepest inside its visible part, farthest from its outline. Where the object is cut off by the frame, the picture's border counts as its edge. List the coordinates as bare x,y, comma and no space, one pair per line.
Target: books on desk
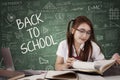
54,75
62,75
98,67
70,75
11,75
33,75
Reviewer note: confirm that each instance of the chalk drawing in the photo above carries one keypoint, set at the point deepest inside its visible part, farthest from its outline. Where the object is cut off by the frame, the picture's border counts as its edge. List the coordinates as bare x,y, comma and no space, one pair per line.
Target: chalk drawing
43,61
114,14
113,24
45,30
49,5
99,37
18,61
32,67
77,9
60,35
18,35
60,16
49,67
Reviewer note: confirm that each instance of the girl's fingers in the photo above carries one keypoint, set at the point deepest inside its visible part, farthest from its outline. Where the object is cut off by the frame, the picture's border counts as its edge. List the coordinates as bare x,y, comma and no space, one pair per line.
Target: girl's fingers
118,61
70,60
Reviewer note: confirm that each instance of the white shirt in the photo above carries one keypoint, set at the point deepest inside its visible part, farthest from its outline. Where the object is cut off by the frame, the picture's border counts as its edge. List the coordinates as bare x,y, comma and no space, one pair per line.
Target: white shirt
63,51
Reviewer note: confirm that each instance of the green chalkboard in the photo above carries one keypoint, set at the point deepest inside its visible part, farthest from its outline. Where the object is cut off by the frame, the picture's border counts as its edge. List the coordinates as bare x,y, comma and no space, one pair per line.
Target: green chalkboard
32,29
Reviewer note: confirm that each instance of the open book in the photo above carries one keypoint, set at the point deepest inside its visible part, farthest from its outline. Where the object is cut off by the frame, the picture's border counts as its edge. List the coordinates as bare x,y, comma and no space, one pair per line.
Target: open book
62,75
11,75
98,67
70,75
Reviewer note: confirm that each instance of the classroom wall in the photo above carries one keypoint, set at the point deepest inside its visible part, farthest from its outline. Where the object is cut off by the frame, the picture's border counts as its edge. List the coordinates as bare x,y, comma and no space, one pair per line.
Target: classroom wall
32,29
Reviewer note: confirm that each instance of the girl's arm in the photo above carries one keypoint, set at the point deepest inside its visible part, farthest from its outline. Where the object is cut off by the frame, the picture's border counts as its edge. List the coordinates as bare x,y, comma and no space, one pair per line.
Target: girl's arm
60,65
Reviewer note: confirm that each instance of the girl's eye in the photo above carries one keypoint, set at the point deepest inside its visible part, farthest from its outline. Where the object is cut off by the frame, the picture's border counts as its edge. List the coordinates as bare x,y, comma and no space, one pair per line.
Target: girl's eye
83,32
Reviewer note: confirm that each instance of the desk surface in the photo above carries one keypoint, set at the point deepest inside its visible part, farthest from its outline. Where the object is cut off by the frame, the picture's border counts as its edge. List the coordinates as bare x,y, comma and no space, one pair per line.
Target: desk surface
112,77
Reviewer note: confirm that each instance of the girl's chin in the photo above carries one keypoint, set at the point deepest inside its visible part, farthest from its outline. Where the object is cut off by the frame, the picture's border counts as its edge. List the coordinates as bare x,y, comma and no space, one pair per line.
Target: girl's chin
81,42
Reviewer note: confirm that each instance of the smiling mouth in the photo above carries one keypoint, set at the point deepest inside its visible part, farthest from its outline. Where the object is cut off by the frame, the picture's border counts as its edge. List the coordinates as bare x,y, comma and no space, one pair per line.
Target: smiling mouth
83,39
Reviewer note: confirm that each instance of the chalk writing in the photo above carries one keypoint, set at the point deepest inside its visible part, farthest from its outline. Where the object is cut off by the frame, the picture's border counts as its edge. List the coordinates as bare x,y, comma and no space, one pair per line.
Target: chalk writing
33,45
30,21
33,32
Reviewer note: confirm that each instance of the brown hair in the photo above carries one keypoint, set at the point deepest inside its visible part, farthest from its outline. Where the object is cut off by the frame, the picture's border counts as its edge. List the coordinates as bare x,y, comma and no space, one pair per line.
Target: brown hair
87,51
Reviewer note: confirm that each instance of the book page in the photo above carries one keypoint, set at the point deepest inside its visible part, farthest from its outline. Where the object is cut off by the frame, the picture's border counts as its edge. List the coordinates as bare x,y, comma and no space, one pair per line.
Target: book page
34,77
102,65
61,75
83,65
90,77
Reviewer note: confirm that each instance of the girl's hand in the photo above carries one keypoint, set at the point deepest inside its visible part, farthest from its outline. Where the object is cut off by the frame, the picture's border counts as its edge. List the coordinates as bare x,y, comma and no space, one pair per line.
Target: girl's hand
69,62
116,57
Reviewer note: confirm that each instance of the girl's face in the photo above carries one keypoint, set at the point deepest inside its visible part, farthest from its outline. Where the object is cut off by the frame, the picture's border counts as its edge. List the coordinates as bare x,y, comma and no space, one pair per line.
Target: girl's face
82,33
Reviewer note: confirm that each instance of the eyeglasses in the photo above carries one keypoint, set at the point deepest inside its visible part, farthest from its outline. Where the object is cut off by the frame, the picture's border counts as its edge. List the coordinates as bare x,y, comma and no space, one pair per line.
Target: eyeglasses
82,31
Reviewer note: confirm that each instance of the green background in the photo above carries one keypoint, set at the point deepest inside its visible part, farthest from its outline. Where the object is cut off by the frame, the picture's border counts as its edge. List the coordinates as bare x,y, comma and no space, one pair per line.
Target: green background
104,14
